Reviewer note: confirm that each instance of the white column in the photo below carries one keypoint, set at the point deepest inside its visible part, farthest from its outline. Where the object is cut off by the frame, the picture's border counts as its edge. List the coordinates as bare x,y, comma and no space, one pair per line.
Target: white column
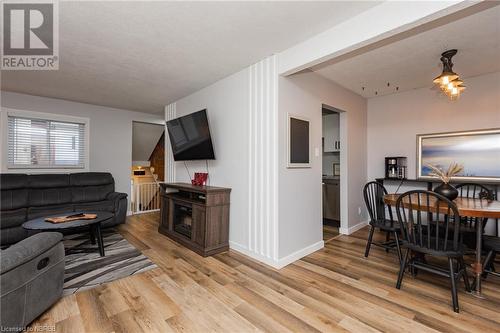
263,157
170,113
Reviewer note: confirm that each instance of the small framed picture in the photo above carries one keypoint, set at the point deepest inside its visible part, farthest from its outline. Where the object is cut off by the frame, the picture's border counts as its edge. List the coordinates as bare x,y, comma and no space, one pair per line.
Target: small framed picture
336,169
299,138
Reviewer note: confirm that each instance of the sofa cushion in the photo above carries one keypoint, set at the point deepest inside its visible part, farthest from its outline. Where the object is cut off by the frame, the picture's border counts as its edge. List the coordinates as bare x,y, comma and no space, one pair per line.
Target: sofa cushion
11,181
35,212
106,205
91,179
49,196
13,235
91,193
48,181
12,218
14,199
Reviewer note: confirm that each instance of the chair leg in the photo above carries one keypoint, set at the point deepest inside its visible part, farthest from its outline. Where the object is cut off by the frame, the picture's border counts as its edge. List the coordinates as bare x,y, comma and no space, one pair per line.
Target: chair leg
398,246
369,242
402,268
387,239
454,295
487,263
464,274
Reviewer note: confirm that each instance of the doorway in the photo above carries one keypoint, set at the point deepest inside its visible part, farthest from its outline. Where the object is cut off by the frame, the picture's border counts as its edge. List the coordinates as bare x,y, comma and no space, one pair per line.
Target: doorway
331,177
148,166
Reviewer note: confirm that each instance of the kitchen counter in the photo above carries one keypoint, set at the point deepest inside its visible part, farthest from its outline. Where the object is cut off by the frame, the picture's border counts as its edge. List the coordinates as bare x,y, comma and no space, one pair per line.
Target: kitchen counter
331,179
331,197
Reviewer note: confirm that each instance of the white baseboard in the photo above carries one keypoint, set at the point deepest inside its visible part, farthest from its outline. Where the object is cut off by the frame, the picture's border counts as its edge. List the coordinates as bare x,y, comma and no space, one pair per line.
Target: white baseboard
300,254
354,228
244,250
280,263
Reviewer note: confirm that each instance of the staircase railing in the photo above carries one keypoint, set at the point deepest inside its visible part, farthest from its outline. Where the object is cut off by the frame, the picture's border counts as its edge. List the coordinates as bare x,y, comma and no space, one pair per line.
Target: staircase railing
145,197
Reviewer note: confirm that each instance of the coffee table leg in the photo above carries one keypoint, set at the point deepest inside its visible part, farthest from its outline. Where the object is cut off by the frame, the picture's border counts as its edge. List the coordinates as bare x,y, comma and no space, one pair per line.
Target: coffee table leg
92,235
99,239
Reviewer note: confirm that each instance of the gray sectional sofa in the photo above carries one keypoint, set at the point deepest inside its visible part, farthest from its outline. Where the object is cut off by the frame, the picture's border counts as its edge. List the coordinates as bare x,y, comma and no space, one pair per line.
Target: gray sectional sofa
24,197
32,267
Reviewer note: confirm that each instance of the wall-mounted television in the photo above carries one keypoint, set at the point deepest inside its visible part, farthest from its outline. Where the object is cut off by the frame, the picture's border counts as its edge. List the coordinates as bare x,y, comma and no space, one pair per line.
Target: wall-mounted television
190,137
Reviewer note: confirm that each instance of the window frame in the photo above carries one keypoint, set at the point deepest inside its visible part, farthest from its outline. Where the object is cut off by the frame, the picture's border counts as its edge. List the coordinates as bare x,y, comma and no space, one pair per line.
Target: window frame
4,141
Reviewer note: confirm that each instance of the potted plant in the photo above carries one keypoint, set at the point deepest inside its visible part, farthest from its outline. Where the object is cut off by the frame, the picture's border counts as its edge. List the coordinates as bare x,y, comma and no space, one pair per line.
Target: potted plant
445,189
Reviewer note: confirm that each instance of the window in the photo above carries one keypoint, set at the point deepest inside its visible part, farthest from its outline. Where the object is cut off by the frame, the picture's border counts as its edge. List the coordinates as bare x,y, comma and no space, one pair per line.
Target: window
34,143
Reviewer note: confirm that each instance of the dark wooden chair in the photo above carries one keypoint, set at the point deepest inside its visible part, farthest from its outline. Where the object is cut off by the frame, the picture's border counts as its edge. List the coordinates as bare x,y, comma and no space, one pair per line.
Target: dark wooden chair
373,193
492,245
430,226
473,191
468,225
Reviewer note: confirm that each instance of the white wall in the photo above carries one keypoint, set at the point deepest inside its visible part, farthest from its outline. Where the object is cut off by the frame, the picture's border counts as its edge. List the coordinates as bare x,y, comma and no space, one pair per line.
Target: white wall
226,102
395,120
328,160
276,213
145,136
110,131
243,114
300,192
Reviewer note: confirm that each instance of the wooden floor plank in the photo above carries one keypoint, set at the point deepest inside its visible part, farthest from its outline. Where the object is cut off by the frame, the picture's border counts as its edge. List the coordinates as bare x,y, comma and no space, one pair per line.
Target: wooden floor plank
335,289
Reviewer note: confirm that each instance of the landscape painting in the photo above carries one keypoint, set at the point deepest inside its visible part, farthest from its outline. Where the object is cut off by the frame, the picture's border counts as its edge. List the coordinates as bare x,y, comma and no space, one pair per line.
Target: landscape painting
477,151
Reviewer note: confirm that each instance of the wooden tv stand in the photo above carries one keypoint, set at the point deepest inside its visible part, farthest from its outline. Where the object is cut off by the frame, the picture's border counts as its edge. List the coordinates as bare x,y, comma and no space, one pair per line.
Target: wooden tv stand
196,216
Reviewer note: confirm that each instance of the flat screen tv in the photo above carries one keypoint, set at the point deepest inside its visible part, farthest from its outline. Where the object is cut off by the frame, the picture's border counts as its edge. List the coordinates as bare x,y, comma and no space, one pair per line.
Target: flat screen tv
190,137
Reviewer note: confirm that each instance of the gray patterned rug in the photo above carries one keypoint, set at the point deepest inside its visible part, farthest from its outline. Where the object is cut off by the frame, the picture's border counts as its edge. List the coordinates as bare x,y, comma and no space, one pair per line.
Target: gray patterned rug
85,269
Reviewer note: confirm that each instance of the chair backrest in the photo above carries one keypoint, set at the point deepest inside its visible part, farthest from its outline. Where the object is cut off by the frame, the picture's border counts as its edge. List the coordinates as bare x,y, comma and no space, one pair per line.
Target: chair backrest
474,191
373,193
429,220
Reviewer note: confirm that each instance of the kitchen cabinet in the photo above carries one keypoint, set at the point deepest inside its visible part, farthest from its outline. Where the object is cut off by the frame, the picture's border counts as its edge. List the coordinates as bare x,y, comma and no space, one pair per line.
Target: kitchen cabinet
331,199
331,133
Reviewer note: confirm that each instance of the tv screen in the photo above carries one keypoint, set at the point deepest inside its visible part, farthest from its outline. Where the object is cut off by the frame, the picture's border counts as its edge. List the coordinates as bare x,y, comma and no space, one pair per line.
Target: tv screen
190,137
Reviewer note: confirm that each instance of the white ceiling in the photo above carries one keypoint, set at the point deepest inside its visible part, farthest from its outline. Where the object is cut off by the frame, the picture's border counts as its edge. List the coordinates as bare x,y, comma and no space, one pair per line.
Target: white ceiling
144,139
413,62
144,55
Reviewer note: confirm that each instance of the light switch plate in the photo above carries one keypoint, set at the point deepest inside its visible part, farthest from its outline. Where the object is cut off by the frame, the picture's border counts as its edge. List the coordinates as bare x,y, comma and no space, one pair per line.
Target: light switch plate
316,152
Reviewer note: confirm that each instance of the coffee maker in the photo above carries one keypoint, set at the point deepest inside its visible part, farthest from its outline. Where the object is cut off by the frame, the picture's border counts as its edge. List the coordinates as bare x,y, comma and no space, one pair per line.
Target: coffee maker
395,167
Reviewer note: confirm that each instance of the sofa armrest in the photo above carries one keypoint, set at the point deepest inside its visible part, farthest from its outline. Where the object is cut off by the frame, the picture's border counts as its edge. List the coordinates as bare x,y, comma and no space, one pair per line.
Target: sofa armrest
116,197
28,249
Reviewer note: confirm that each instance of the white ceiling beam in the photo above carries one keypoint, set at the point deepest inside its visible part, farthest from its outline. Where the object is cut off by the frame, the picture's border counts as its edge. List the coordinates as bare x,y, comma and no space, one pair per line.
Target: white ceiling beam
371,27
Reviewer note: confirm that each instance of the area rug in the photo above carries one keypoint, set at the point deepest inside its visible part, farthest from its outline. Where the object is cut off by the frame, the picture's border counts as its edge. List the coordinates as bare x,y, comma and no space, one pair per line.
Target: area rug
85,268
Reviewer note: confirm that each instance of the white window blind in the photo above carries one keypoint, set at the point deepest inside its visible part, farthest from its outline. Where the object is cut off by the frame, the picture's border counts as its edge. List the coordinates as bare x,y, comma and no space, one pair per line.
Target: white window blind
43,143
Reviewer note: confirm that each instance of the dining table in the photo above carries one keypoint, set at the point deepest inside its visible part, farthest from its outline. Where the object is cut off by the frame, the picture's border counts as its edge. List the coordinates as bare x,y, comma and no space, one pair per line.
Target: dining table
469,207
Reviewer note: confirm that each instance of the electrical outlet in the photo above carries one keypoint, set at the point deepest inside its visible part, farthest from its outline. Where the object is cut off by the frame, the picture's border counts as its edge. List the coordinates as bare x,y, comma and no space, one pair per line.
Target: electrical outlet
359,211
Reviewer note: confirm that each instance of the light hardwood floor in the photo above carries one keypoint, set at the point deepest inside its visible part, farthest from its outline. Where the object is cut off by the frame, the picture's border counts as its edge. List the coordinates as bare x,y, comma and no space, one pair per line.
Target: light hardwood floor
335,289
329,232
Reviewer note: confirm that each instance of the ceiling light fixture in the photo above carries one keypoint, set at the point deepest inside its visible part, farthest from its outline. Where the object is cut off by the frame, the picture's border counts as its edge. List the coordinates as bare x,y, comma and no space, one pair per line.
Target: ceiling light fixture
449,81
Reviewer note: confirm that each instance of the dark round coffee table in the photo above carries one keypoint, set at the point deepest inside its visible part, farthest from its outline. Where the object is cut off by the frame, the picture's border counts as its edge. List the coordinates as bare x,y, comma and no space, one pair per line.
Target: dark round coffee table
94,226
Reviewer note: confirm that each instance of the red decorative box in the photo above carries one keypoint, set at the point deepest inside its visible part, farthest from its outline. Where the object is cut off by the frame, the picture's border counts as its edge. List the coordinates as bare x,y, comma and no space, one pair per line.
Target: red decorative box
200,178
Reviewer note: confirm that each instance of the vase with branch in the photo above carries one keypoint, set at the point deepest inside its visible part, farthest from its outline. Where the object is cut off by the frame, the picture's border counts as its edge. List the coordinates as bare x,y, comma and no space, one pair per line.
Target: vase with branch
446,176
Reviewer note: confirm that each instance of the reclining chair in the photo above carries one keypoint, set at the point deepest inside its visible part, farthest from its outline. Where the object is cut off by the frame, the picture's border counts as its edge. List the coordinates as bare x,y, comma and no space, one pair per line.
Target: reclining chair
31,279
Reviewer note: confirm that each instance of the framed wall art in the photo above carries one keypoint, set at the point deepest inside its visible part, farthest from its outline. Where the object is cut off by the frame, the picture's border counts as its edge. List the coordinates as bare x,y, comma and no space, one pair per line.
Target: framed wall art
298,142
477,151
